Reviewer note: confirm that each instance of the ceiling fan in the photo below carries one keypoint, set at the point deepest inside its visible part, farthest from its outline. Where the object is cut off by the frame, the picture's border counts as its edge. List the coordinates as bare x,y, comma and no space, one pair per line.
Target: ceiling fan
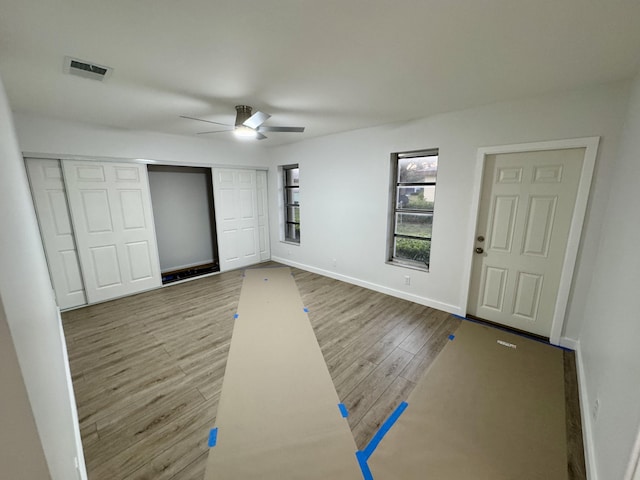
247,124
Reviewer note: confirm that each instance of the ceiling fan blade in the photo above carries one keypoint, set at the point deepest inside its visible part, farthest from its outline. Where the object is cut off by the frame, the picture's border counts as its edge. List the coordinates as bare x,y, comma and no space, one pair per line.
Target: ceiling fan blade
207,121
214,131
260,136
255,120
281,129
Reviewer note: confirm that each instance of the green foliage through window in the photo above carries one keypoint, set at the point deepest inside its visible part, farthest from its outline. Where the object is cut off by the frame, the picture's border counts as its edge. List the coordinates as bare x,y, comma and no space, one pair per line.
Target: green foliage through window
412,249
291,191
414,182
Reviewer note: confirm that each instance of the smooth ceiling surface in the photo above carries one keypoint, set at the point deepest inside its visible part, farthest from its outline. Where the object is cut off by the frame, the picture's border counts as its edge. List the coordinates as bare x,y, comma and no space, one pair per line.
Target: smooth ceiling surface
330,65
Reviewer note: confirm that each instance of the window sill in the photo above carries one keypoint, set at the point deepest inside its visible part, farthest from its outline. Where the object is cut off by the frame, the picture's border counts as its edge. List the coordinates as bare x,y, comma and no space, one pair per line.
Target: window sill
408,264
297,244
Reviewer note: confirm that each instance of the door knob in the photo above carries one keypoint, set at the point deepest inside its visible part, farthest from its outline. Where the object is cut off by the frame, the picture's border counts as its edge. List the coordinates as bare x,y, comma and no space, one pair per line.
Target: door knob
480,238
479,250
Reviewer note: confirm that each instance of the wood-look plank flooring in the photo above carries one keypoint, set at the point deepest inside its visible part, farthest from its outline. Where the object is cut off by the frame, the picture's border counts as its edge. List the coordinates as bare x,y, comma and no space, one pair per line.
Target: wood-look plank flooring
147,369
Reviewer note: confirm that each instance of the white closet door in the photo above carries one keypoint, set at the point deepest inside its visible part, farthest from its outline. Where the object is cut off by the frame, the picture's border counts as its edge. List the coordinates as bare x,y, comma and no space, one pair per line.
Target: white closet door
236,206
111,210
263,215
50,201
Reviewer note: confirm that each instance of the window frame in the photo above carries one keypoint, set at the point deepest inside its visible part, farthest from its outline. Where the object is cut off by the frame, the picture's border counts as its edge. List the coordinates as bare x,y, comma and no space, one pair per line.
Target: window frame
394,185
287,206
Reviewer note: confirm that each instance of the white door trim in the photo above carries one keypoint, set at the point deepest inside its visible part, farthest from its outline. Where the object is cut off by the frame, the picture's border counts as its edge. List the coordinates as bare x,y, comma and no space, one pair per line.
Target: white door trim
81,466
143,161
633,468
590,144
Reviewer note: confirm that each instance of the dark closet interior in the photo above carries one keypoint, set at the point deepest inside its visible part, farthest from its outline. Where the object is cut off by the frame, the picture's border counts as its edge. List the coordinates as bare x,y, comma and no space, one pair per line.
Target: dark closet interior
184,218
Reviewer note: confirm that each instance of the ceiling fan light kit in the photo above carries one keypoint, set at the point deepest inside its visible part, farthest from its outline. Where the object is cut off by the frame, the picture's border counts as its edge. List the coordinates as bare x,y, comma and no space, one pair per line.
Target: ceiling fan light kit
243,131
248,125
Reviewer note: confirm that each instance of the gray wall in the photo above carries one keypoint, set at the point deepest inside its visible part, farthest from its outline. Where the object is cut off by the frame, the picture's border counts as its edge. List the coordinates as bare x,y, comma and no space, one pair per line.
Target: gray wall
21,455
344,180
611,327
181,214
31,311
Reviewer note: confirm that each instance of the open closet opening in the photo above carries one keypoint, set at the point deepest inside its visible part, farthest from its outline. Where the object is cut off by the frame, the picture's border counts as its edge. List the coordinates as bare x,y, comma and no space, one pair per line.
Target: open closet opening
184,218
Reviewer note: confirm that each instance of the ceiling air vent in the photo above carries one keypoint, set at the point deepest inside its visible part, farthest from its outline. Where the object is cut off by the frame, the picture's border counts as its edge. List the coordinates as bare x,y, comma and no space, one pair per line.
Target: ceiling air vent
82,68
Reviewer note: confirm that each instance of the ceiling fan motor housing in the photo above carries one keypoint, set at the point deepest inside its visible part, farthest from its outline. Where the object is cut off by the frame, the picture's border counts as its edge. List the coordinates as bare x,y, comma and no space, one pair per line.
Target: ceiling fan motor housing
243,112
249,124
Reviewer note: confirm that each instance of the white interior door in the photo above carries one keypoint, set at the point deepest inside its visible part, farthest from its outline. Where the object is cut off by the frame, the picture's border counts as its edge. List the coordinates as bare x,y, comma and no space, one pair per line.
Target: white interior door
263,215
237,225
111,211
52,210
526,209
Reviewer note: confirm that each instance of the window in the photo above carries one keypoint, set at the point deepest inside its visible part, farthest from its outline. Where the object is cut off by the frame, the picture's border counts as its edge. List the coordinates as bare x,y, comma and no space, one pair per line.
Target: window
291,189
414,187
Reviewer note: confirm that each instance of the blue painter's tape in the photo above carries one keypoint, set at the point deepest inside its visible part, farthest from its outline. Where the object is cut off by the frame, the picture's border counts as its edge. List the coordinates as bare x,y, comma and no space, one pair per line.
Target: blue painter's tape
452,336
213,437
459,316
362,461
306,310
386,426
235,316
343,410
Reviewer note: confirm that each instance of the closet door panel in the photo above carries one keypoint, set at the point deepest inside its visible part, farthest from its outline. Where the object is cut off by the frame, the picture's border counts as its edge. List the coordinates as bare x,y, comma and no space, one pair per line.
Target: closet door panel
248,239
235,199
96,211
105,266
263,215
72,275
52,210
230,245
111,210
140,263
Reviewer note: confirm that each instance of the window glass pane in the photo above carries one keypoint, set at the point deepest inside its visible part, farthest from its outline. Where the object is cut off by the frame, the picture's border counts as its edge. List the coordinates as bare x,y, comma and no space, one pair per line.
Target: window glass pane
417,169
292,176
412,249
291,210
416,198
414,224
292,196
293,214
292,232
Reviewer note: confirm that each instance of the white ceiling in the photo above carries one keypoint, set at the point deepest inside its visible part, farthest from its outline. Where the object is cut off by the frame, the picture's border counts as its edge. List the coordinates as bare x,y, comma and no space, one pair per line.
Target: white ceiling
331,65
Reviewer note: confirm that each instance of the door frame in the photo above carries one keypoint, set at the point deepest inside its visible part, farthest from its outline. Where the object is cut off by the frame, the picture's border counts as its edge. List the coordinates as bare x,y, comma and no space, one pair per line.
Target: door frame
590,144
633,467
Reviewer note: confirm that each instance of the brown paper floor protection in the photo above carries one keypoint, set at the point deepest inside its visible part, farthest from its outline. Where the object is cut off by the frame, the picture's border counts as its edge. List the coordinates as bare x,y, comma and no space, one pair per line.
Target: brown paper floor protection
484,410
278,416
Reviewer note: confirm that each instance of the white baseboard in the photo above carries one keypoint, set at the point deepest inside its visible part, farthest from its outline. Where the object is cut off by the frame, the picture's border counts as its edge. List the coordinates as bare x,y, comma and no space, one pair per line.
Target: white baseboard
374,286
81,468
585,411
633,469
570,343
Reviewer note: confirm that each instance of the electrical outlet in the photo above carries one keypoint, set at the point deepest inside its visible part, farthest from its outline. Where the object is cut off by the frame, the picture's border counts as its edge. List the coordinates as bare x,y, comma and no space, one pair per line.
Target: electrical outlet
596,408
407,280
